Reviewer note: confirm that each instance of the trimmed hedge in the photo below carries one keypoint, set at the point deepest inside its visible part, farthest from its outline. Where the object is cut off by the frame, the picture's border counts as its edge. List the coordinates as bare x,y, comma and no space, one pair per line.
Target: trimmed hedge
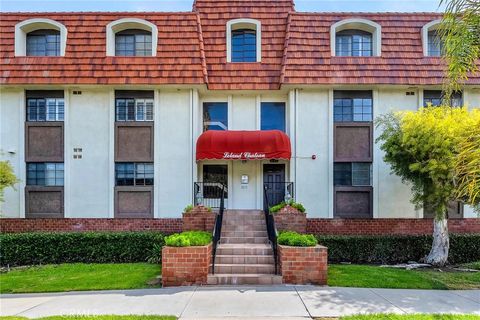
397,249
189,239
295,239
67,247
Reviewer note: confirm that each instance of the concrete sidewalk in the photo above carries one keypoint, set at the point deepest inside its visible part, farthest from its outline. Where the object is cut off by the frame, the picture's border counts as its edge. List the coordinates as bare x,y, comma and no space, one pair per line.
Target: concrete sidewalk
250,302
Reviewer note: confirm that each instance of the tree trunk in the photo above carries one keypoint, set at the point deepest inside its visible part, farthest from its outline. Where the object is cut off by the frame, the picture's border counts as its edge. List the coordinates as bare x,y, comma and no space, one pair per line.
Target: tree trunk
439,253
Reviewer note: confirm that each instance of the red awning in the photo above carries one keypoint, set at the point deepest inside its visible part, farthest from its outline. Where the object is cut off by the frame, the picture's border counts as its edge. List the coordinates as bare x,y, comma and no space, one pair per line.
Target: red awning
243,145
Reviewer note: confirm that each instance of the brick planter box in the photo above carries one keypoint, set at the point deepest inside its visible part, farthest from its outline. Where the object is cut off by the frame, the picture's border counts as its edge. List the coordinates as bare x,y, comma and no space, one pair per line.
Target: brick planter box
185,266
303,265
290,219
200,218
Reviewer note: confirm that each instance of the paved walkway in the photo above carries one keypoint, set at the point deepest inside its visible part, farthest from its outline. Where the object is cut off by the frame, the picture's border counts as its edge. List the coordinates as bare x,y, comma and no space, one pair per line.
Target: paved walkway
279,302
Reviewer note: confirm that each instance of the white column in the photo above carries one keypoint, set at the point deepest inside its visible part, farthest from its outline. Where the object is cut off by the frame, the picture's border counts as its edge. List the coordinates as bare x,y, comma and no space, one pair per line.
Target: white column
111,152
376,155
331,137
156,153
22,167
67,163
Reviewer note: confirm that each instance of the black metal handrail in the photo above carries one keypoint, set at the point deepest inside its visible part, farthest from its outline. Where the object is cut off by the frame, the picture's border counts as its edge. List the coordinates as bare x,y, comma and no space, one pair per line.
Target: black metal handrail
279,191
271,229
209,194
217,229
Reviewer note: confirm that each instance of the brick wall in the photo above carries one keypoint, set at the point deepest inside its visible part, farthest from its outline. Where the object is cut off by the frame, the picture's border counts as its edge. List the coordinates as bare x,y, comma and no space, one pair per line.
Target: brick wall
29,225
388,226
171,225
185,266
199,218
290,219
303,265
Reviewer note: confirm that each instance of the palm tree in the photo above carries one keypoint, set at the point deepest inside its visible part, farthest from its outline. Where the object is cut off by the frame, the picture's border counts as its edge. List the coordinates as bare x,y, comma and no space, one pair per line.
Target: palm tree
460,32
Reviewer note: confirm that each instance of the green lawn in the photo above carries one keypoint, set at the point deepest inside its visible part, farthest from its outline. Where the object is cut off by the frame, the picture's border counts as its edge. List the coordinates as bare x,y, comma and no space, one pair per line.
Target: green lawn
109,317
377,277
78,277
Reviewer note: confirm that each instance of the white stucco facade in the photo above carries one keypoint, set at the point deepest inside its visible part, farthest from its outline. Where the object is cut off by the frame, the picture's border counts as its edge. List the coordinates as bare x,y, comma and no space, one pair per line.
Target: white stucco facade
89,125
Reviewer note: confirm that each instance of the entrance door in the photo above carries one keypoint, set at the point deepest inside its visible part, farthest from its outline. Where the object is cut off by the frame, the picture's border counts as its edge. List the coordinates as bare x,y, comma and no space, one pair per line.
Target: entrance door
215,179
274,182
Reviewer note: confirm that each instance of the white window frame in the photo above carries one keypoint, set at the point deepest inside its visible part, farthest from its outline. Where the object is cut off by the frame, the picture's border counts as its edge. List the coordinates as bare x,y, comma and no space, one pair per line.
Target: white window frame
358,24
130,23
26,26
431,26
236,24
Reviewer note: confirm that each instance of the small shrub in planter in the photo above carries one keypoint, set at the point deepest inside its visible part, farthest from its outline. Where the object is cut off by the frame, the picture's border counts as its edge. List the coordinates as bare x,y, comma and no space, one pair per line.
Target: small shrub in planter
188,208
294,239
283,204
188,239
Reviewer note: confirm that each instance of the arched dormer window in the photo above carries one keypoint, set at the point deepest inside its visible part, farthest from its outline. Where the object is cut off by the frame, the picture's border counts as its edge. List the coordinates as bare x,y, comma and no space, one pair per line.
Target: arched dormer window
356,37
40,37
244,40
131,37
432,43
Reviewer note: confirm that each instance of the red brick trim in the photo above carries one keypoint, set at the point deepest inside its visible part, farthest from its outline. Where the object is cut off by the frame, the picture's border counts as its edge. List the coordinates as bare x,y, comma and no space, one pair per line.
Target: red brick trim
290,219
387,226
171,225
200,218
168,225
303,265
185,266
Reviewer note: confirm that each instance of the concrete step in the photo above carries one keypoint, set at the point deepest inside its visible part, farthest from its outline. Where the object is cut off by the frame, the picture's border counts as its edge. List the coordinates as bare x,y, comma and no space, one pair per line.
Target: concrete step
244,233
244,249
243,228
236,279
243,259
240,212
244,240
244,268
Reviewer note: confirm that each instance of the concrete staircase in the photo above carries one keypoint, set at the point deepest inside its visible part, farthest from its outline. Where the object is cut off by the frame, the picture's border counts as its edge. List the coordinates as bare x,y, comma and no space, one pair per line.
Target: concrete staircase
244,254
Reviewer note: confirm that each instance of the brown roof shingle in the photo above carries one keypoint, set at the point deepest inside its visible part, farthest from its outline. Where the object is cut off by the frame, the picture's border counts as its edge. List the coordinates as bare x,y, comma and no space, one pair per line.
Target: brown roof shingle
192,50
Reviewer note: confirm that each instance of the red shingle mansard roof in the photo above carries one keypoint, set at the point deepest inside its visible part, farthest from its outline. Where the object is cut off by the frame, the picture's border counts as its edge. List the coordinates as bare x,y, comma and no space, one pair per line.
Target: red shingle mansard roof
192,50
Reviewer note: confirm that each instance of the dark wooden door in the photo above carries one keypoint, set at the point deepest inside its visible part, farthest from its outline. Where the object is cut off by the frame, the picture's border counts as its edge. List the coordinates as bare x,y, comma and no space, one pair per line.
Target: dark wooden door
274,182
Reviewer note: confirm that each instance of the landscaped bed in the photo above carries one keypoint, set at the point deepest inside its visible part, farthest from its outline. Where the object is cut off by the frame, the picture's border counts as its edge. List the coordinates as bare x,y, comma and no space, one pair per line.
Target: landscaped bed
79,277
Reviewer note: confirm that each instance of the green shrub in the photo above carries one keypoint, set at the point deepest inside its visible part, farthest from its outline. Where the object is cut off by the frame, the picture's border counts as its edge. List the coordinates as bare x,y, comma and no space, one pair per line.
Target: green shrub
291,203
294,239
397,249
68,247
188,208
188,239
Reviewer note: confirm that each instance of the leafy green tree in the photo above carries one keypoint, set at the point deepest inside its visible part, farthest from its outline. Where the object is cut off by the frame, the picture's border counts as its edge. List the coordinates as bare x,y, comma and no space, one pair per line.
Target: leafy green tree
460,31
468,164
7,177
421,147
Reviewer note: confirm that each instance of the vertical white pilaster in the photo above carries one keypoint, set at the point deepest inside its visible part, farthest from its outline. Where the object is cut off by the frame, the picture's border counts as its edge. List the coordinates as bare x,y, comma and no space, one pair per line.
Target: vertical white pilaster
67,162
331,137
376,155
156,154
21,165
111,153
292,102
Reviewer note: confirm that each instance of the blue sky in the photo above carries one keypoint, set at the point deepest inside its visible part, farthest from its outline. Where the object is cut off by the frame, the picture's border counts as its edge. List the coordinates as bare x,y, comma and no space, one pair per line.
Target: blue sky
186,5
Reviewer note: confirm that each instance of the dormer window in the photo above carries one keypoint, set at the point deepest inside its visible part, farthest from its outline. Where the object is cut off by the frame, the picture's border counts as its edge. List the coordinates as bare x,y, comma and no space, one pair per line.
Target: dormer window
244,40
131,37
133,42
353,43
40,37
433,45
356,38
43,43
